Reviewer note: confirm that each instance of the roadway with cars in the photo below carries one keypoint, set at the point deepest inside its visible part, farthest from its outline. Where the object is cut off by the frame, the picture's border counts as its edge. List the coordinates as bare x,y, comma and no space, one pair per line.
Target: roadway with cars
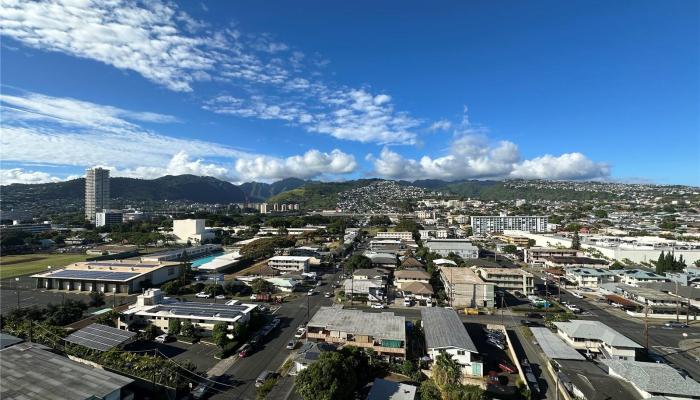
662,340
272,353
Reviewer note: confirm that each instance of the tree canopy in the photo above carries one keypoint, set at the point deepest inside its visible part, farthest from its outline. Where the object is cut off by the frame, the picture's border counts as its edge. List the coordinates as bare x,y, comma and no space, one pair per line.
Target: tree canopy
331,377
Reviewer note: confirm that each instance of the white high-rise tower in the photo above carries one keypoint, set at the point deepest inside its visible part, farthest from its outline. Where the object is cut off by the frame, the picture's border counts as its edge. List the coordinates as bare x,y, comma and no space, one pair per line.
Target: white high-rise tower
96,192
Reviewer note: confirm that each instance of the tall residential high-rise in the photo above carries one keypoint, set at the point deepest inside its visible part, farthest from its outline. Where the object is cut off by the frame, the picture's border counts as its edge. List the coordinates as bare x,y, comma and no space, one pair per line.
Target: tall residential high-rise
96,192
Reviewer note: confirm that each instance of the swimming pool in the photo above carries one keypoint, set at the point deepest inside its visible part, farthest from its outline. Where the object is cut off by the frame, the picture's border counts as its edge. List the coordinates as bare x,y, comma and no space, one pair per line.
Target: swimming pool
200,261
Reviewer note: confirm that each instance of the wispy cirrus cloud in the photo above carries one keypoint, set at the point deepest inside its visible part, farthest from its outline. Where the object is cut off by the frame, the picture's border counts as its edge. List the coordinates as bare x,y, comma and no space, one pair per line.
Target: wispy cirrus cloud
61,131
170,48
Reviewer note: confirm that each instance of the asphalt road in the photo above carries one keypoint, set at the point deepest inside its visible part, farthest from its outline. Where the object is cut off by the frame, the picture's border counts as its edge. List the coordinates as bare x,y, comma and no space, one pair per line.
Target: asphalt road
273,352
662,341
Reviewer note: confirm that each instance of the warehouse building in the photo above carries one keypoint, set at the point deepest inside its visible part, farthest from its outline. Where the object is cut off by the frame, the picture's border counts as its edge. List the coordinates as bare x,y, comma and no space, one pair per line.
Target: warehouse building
116,276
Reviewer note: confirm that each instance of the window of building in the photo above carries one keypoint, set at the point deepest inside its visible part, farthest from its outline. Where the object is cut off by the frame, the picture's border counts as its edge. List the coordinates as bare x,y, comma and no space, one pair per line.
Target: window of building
460,352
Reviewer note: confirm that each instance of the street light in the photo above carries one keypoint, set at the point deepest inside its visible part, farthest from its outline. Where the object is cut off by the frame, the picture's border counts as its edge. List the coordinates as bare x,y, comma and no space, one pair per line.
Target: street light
114,297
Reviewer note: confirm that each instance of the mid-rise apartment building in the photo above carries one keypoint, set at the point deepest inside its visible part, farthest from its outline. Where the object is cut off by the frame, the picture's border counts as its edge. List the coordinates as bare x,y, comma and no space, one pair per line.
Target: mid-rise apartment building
510,279
460,247
108,218
97,196
395,235
540,255
464,288
489,224
289,263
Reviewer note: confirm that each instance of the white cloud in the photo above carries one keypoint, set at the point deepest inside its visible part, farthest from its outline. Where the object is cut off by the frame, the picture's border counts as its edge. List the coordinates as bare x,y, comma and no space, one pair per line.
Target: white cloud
311,164
169,47
441,125
60,131
565,166
20,175
472,157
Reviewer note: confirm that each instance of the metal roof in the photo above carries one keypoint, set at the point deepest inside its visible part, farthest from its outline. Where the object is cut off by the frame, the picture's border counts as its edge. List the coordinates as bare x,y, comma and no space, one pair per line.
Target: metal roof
444,329
595,330
100,337
32,373
553,346
655,378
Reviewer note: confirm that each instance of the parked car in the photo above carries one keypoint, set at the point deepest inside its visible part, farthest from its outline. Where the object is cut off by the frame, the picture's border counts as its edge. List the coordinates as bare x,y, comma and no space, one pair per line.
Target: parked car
164,338
676,324
327,295
220,297
202,390
291,344
407,302
577,295
378,305
264,377
245,350
300,333
311,292
533,315
202,295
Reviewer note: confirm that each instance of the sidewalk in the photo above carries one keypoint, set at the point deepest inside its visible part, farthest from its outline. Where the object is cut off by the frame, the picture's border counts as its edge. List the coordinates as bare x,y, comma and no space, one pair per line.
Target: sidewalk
222,366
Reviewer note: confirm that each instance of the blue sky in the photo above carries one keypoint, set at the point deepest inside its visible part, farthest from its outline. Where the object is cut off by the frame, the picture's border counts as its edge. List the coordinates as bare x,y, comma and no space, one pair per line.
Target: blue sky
454,90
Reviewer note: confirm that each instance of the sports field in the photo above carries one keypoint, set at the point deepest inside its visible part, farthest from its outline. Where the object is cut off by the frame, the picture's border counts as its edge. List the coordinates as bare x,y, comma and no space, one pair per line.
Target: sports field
25,264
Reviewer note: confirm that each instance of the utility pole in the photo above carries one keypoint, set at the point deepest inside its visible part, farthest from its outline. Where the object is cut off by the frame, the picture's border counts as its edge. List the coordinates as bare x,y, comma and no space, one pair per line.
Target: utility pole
308,306
677,304
646,324
17,287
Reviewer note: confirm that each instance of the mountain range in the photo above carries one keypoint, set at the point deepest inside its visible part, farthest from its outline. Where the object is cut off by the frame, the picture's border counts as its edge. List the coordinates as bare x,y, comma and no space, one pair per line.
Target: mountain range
211,190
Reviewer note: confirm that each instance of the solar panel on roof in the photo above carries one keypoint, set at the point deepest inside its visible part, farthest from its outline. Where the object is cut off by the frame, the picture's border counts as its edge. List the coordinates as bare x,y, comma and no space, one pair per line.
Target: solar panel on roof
100,337
93,275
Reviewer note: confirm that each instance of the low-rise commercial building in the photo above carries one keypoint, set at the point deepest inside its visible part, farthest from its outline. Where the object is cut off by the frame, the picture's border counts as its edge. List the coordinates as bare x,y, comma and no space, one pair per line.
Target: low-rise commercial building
510,279
464,288
372,290
371,274
460,247
29,228
390,246
384,332
182,253
381,260
153,308
445,333
589,277
289,263
596,337
116,276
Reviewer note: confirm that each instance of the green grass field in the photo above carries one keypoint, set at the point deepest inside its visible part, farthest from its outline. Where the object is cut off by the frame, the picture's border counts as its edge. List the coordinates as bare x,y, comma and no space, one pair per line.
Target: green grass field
25,264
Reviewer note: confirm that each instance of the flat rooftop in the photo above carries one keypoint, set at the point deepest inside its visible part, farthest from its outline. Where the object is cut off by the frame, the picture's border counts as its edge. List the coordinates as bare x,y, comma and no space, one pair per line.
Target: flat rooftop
112,271
456,275
384,325
553,346
29,372
505,271
187,309
594,382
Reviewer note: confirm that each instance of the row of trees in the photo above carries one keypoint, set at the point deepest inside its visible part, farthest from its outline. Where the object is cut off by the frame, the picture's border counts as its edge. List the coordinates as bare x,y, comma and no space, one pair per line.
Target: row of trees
667,263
